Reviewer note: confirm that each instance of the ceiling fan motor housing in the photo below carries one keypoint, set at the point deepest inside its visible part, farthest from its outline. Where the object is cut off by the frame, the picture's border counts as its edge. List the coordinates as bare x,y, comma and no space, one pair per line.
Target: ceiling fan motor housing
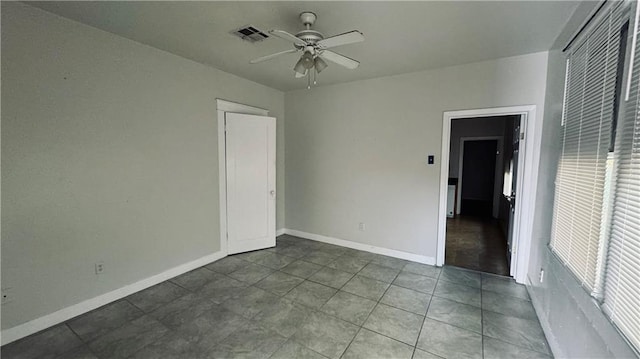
308,18
310,36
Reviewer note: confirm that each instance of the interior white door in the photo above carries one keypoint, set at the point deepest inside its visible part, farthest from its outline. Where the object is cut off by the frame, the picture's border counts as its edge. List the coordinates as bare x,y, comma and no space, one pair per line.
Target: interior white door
251,182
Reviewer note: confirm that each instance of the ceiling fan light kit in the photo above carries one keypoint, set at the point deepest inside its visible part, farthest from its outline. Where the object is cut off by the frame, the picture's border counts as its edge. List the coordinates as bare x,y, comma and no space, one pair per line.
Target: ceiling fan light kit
320,64
300,67
307,60
315,48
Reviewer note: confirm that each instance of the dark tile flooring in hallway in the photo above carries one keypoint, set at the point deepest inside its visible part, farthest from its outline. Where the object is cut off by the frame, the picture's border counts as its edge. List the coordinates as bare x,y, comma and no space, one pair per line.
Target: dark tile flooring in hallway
476,243
305,299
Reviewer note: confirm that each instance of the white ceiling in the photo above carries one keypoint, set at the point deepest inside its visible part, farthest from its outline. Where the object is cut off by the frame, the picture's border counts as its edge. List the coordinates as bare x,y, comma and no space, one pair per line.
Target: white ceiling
401,37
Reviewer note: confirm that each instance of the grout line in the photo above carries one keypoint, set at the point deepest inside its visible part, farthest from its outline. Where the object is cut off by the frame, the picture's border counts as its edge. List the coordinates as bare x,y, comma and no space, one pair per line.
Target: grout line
419,291
461,284
361,326
133,304
178,285
415,345
425,315
66,324
522,347
249,262
259,323
512,316
84,343
378,302
386,336
350,342
453,325
506,295
458,302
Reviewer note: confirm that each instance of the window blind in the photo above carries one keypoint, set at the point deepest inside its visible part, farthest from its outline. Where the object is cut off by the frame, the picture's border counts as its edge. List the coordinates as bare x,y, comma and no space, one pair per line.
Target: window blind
622,281
588,112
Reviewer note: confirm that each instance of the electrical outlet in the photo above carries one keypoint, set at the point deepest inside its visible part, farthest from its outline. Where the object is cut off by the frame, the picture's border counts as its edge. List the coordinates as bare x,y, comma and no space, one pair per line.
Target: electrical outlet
362,226
7,295
99,267
541,275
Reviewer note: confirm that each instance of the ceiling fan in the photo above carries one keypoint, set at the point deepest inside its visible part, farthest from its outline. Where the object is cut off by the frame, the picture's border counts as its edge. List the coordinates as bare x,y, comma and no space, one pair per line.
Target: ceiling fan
314,48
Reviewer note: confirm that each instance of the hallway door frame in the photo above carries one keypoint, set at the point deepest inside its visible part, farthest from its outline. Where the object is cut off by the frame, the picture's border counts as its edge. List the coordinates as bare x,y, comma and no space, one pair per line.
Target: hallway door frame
531,138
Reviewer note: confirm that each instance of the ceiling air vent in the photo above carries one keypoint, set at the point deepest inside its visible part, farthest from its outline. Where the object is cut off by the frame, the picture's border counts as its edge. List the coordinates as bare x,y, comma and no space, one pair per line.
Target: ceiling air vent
250,33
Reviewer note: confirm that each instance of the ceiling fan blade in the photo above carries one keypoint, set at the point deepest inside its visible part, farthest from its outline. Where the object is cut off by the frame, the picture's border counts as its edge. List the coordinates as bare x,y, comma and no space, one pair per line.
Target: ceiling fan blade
299,75
269,57
287,36
342,39
340,59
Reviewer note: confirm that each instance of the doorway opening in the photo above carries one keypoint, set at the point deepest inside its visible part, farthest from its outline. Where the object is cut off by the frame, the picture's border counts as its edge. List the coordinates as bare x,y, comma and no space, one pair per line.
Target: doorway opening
478,229
481,224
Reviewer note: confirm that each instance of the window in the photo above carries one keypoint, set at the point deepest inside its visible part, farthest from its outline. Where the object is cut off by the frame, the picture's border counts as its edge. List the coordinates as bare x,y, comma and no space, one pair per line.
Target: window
588,117
596,223
622,271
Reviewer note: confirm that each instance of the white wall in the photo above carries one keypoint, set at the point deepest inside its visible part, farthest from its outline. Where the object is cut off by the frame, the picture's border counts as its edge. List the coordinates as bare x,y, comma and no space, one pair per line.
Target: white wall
574,325
357,152
109,153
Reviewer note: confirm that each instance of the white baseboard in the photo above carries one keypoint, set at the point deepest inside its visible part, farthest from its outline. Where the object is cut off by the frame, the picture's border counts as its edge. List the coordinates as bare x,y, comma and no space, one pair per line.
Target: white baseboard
363,247
49,320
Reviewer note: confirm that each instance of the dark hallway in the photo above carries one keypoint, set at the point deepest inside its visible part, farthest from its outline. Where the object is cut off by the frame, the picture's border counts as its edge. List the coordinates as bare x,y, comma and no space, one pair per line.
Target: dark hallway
476,243
483,162
478,181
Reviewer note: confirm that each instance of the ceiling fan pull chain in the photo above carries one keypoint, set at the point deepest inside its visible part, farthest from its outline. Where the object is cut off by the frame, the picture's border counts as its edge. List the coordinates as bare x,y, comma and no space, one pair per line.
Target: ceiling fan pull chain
315,74
309,81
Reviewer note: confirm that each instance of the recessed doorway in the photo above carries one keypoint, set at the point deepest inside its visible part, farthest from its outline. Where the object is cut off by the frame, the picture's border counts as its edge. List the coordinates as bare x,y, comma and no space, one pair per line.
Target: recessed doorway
481,225
475,238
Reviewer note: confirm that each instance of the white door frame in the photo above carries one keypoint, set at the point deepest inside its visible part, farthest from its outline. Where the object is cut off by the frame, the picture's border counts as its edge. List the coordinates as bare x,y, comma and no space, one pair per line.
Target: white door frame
499,168
223,107
526,182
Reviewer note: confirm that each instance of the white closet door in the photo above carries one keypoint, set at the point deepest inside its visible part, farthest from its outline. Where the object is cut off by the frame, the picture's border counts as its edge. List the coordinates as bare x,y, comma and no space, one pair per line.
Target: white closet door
251,182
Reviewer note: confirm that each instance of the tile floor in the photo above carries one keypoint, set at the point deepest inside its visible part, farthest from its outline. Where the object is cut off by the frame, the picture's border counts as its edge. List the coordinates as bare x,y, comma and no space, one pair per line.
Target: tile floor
476,243
305,299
